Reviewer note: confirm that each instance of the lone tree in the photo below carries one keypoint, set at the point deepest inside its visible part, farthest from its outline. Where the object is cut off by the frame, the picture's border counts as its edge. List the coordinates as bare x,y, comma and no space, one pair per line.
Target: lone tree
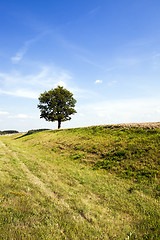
57,105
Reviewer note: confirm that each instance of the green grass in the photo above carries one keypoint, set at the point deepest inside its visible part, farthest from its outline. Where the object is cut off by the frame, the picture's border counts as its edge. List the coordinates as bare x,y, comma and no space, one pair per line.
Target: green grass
86,183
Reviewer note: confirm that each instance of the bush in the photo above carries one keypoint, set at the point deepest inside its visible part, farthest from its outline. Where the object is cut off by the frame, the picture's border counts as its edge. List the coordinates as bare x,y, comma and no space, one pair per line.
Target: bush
36,130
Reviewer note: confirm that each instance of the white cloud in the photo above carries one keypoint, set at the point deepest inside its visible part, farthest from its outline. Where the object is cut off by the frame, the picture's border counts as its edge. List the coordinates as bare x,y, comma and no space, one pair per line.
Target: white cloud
122,111
158,110
20,116
98,81
60,83
3,113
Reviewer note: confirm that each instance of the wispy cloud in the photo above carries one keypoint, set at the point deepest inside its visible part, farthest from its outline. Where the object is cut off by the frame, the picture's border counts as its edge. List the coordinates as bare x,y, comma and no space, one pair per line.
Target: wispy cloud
67,44
7,115
4,113
48,77
123,110
20,116
94,11
91,62
22,51
18,84
21,93
156,60
112,83
126,62
156,55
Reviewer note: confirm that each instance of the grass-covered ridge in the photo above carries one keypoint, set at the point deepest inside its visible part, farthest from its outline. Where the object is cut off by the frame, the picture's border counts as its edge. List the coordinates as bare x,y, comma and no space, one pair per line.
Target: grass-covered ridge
98,182
127,152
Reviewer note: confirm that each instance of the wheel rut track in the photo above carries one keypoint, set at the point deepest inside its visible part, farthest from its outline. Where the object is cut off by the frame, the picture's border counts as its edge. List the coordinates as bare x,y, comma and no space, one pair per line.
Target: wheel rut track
34,180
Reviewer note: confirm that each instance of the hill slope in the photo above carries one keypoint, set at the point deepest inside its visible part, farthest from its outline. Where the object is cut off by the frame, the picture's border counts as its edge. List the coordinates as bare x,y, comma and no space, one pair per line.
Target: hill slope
88,183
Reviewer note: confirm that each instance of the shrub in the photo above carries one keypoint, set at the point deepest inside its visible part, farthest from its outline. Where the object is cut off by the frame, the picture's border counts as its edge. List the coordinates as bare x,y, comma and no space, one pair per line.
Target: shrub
8,132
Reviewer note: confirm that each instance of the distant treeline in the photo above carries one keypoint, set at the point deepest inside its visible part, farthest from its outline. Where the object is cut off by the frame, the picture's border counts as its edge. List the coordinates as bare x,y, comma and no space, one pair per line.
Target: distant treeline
28,133
36,130
8,132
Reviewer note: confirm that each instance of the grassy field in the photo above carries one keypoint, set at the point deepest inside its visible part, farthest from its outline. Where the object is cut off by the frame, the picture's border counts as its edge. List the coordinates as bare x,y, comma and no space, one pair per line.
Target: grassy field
99,182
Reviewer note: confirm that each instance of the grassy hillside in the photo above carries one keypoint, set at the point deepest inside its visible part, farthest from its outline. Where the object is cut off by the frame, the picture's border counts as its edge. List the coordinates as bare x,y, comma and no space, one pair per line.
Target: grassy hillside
86,183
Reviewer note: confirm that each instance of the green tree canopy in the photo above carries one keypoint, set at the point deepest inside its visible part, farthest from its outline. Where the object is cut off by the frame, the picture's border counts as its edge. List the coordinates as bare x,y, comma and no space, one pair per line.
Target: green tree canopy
57,105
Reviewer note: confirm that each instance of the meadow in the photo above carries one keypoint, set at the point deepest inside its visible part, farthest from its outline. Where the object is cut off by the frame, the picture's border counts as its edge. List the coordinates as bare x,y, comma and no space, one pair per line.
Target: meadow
100,182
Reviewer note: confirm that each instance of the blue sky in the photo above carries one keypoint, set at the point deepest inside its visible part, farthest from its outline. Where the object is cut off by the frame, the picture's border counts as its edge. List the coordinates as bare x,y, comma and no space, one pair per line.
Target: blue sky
106,52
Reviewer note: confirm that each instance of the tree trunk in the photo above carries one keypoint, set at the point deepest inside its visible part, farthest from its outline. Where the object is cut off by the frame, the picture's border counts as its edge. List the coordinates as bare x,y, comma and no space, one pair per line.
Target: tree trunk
59,124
